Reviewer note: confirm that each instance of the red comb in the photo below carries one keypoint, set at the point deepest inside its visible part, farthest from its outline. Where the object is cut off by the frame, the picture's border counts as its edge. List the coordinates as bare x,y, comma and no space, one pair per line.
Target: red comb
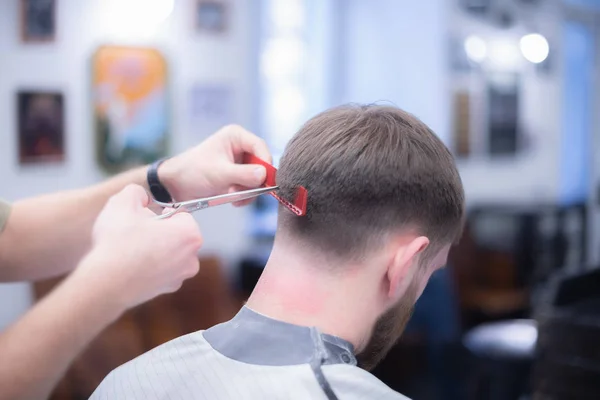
298,207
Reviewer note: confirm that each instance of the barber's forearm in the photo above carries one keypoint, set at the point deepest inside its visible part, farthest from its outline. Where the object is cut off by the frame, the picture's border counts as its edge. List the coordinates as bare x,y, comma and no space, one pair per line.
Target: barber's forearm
47,235
37,350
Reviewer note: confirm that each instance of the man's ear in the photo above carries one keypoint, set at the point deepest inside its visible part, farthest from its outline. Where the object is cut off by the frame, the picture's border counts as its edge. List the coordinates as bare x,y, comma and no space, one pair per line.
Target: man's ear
402,268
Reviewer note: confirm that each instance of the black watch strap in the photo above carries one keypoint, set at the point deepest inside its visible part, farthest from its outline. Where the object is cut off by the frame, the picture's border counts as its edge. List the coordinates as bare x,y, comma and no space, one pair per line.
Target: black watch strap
159,192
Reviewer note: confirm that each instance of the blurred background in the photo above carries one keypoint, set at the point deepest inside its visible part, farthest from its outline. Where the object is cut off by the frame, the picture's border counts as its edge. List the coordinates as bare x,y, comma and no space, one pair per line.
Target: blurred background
90,88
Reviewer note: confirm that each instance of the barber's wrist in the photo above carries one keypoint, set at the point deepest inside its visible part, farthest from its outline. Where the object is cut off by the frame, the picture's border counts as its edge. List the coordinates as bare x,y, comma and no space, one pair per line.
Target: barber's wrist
167,174
89,284
160,180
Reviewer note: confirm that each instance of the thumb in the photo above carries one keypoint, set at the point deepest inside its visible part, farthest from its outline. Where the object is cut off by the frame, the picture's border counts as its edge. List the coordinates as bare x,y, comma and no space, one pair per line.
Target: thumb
250,176
132,197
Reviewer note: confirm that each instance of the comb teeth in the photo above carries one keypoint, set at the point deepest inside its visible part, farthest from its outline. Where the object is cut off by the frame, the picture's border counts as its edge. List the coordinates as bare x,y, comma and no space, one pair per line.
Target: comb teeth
298,207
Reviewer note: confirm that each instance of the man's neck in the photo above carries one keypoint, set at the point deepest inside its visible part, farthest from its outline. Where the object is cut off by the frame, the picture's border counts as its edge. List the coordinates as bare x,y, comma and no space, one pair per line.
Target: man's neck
332,298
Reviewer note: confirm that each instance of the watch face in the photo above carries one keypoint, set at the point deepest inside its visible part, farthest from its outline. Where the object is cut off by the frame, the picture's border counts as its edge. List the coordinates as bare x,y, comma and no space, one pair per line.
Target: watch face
159,192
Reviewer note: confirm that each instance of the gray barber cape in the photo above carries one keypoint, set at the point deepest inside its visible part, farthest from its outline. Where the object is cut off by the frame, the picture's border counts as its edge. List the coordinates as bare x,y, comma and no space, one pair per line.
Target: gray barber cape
249,357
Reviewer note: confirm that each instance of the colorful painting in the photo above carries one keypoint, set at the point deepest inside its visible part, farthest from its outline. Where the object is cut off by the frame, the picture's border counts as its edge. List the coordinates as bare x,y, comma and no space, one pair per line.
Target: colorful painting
41,127
130,106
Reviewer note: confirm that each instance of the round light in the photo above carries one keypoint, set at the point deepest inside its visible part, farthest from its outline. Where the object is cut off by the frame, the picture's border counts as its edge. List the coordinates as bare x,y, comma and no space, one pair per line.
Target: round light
534,48
159,10
135,18
475,48
282,58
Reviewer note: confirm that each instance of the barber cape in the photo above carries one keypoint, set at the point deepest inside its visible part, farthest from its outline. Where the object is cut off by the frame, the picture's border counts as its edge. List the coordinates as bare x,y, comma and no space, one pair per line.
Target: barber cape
249,357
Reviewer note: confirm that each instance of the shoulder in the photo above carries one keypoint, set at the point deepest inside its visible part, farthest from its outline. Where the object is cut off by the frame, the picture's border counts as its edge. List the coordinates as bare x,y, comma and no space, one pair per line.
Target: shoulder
177,350
354,383
148,374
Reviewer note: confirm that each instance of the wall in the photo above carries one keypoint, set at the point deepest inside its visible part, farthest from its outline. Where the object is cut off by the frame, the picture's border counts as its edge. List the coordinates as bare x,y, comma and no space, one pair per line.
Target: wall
396,52
533,175
580,163
578,110
584,4
65,65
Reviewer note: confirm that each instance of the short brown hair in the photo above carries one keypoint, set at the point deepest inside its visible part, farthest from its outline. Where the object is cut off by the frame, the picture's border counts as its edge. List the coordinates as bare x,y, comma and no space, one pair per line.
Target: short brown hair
370,170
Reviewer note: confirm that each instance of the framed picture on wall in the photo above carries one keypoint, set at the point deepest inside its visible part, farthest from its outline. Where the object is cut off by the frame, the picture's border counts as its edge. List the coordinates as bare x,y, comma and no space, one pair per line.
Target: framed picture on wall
462,124
211,16
41,135
38,20
130,106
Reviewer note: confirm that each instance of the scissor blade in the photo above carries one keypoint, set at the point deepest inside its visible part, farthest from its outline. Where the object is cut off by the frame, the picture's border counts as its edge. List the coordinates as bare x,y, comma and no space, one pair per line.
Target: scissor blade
237,196
200,204
194,205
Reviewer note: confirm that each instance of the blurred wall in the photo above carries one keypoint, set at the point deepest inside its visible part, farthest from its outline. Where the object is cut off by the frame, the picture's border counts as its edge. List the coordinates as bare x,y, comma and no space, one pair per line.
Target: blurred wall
396,52
533,175
65,65
399,52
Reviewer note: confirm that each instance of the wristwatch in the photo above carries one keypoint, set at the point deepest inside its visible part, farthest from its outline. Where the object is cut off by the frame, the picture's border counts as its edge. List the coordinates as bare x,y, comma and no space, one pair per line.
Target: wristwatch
159,192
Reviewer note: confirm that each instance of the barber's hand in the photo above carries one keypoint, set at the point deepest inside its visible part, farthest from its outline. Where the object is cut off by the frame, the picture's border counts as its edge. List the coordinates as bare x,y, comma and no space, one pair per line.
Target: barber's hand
212,167
135,257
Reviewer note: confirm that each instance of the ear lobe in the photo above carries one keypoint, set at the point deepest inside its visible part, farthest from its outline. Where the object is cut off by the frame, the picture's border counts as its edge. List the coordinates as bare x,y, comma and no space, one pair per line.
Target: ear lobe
403,265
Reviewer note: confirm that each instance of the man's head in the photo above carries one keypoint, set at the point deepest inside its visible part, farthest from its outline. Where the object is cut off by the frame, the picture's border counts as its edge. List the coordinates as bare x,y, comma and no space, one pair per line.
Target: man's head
381,186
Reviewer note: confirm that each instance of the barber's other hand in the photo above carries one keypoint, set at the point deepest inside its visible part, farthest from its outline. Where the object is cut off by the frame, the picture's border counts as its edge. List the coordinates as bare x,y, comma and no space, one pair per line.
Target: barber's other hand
135,257
213,167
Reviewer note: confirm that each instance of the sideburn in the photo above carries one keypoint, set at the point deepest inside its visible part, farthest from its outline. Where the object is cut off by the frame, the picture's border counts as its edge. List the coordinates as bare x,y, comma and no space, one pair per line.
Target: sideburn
388,329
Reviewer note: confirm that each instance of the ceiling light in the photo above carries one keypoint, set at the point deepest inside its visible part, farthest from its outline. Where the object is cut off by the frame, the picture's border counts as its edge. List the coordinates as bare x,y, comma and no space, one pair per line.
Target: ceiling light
475,48
534,48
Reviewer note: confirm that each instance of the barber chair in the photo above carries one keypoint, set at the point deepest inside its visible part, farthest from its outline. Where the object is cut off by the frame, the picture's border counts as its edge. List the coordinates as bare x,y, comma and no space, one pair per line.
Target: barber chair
495,300
567,364
508,254
555,357
502,353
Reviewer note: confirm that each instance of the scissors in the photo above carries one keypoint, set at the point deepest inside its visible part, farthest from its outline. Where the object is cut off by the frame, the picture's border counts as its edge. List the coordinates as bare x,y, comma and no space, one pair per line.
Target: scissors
191,206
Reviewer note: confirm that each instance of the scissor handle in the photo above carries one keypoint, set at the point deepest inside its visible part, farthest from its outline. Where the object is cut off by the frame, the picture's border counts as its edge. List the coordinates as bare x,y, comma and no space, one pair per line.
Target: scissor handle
169,214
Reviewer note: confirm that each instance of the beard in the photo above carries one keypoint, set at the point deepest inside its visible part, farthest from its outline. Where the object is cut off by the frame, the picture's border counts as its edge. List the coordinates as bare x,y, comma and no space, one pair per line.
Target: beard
387,330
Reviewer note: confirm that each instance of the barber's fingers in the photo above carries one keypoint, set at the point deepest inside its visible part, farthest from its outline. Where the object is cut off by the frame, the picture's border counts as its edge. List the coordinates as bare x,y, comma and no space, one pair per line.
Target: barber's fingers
247,175
246,142
131,197
189,270
186,228
192,268
242,203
